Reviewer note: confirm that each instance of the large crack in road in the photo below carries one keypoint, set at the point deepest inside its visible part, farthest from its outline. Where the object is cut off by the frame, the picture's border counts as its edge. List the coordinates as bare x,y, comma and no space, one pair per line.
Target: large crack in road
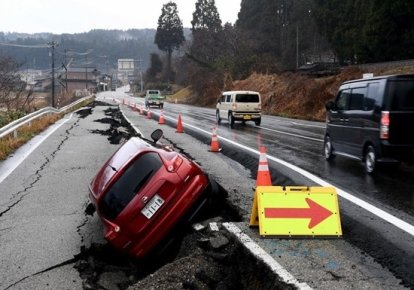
18,197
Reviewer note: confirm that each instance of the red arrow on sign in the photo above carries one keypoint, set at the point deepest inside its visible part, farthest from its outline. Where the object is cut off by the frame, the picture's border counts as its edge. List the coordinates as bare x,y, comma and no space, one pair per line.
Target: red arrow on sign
315,212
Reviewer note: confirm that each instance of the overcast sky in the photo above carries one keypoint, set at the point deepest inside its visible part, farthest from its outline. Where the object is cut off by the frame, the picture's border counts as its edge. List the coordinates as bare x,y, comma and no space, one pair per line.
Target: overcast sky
73,16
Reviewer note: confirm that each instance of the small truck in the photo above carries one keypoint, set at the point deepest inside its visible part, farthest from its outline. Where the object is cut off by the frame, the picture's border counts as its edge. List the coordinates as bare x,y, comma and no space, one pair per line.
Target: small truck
154,98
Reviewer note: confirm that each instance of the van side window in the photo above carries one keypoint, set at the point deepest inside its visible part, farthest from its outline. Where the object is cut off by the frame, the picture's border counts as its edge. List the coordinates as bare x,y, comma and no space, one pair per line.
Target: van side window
228,100
373,94
342,100
357,98
223,98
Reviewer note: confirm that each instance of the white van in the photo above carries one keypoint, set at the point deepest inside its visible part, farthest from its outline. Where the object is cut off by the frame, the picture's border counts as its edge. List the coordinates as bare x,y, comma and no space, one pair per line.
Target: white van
239,106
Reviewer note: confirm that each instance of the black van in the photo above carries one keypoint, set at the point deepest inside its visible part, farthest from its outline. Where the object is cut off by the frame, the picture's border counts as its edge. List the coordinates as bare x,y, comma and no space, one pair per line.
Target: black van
372,120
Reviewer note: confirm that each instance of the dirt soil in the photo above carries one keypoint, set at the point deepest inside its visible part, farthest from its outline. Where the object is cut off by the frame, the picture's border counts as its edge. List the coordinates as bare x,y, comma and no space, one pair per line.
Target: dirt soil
297,95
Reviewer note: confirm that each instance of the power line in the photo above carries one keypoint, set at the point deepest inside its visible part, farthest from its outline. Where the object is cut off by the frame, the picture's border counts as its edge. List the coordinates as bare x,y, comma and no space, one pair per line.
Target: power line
79,53
72,52
24,45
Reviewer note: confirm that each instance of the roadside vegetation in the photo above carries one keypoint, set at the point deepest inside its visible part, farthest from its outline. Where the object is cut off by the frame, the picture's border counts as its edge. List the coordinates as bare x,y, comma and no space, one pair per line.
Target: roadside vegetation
10,143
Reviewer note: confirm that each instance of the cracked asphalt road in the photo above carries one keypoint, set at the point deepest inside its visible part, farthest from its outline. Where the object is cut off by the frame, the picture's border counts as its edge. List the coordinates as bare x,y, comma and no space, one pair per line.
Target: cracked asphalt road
43,226
42,206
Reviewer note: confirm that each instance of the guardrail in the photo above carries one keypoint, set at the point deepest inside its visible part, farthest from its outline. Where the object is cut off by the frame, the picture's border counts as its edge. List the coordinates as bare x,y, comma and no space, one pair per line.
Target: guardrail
16,124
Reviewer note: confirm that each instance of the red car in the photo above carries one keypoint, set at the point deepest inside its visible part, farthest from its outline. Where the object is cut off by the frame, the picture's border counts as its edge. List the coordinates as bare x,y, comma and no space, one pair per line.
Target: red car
143,192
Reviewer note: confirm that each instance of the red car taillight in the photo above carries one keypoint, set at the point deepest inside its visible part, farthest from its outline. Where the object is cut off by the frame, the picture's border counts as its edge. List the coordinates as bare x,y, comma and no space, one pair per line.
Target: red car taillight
385,125
113,231
176,163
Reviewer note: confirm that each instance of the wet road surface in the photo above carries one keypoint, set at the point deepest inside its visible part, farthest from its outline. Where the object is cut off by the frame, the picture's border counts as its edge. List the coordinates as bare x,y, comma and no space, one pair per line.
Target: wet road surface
390,192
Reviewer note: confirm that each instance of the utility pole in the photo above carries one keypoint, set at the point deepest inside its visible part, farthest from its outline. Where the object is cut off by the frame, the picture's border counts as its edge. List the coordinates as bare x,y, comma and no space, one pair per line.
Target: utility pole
52,45
139,69
86,71
297,45
66,74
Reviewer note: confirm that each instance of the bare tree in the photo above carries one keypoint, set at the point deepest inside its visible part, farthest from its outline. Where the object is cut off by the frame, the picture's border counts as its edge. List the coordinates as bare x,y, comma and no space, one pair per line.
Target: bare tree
13,93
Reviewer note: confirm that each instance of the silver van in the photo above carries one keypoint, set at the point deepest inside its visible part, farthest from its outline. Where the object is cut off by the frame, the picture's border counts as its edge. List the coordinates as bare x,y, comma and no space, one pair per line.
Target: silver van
239,106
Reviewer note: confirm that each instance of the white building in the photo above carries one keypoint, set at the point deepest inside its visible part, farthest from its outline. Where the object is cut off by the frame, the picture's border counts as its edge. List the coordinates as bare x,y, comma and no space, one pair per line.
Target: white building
126,69
29,76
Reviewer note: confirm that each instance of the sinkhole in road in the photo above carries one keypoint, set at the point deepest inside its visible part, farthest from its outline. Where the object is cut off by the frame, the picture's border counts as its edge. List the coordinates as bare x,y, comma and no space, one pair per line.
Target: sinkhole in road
202,255
198,256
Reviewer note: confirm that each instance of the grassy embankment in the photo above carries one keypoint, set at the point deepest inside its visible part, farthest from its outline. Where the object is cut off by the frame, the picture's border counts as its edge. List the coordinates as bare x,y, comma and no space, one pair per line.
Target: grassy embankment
9,144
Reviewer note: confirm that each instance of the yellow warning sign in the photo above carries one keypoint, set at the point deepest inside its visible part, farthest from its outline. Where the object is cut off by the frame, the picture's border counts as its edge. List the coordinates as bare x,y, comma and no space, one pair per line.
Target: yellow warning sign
296,211
254,216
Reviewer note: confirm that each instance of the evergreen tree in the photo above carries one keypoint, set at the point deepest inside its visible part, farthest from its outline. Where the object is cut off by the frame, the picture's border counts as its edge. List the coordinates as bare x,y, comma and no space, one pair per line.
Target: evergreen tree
155,67
206,16
206,31
169,35
363,31
389,31
281,33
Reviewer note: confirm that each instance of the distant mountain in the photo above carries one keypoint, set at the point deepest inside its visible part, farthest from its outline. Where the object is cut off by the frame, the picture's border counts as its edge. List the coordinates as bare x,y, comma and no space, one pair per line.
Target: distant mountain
98,48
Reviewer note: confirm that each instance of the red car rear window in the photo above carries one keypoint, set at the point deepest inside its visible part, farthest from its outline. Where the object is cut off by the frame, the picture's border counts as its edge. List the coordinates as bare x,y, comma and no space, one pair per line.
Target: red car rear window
129,184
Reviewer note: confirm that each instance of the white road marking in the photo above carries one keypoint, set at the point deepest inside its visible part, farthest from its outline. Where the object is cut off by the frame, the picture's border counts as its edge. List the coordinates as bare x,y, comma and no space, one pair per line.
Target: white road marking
265,257
294,135
402,225
13,162
133,126
307,125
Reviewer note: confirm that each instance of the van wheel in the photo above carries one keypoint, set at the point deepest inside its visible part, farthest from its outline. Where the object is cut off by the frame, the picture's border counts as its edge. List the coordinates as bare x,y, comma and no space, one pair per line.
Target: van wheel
328,149
218,119
370,160
258,121
231,120
161,106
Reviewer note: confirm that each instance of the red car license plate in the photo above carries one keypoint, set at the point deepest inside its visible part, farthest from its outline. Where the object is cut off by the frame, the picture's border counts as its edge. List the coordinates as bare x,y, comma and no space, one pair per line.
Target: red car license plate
152,207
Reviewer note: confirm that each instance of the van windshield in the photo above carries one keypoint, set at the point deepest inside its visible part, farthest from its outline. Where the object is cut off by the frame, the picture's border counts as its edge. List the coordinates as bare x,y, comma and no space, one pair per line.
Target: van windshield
247,98
402,95
129,184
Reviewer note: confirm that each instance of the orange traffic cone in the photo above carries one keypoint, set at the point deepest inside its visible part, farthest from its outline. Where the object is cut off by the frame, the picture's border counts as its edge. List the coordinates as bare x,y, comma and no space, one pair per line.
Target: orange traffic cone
149,115
214,142
179,125
135,107
263,174
161,119
141,112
